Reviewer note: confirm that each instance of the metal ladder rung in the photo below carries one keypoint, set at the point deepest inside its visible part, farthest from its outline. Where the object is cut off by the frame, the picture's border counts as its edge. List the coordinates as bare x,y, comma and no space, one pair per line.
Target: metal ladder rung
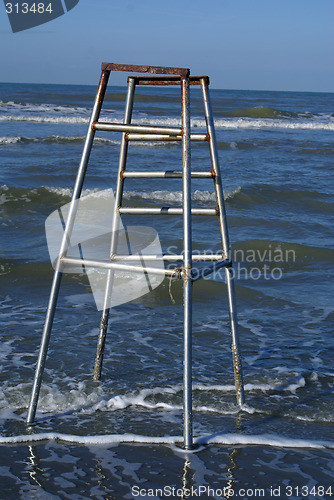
166,211
145,129
167,174
161,137
168,257
107,264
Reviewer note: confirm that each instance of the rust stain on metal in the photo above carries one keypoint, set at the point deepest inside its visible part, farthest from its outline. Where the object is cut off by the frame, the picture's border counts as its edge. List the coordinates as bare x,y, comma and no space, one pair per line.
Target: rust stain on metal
166,80
101,91
237,372
160,70
102,85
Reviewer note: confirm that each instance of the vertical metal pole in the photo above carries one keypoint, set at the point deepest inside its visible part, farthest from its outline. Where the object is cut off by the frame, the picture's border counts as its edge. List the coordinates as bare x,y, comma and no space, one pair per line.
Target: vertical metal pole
187,266
63,249
115,229
237,366
225,242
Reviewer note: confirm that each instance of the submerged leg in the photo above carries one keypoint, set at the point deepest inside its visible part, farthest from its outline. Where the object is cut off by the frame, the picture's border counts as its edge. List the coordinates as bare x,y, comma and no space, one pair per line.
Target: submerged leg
187,268
115,230
225,243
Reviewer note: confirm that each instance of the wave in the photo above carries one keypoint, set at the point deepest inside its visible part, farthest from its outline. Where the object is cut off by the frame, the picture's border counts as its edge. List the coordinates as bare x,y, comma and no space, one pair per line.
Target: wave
262,112
44,119
267,440
73,140
53,139
282,195
58,139
83,401
41,194
254,197
12,106
176,196
228,123
271,124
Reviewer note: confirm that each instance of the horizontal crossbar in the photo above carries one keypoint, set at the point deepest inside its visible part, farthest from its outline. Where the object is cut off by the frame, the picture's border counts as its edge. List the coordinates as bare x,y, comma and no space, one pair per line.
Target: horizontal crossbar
112,265
167,211
160,137
168,257
167,80
167,174
145,129
107,264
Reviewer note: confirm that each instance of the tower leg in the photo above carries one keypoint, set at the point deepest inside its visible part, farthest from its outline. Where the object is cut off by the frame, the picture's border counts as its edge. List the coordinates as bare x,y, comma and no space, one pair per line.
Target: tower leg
114,234
187,267
63,249
225,242
44,347
237,366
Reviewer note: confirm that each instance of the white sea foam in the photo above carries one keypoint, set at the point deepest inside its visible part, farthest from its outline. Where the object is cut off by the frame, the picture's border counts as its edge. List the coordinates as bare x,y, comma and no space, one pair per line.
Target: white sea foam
45,119
176,196
9,140
245,123
82,400
265,440
68,191
164,196
296,384
120,402
55,139
90,403
221,123
42,108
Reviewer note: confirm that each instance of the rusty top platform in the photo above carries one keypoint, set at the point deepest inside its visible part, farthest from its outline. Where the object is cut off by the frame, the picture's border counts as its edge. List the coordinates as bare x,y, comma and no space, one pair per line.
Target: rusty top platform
135,68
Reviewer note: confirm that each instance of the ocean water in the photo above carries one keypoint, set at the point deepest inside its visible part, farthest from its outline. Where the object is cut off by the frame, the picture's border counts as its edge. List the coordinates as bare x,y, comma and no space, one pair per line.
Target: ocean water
120,438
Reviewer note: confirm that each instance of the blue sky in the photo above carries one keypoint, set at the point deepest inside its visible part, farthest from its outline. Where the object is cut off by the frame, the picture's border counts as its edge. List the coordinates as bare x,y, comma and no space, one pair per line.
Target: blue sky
240,44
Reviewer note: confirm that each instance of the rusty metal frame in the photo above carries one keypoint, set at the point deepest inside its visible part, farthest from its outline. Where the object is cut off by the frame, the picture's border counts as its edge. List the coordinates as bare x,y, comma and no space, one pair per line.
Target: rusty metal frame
172,76
136,68
169,80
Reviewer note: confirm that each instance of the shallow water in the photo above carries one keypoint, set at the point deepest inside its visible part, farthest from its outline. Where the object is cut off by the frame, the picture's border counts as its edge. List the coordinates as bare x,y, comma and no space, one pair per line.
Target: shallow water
101,440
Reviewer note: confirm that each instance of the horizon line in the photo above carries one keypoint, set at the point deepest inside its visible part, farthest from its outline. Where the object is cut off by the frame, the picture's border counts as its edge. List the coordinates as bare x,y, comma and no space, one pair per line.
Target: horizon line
211,87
